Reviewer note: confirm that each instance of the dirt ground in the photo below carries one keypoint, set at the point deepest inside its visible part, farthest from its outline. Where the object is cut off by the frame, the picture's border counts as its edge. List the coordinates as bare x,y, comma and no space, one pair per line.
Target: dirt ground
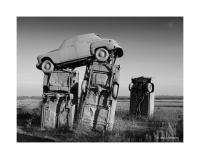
165,126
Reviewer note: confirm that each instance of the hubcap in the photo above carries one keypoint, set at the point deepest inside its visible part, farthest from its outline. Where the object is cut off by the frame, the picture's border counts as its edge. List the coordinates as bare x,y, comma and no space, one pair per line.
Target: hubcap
47,66
102,54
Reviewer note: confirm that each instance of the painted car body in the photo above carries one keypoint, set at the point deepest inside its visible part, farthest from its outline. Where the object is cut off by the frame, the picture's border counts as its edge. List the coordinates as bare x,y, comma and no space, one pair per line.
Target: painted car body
79,49
141,97
60,99
99,95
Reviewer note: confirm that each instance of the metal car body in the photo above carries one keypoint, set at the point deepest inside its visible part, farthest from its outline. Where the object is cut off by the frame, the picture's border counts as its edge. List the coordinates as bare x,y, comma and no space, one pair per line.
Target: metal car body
60,99
141,97
76,52
99,93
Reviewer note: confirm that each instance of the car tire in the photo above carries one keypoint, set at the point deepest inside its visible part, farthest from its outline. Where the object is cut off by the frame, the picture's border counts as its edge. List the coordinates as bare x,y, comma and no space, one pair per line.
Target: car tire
150,87
47,66
101,54
130,87
115,91
83,86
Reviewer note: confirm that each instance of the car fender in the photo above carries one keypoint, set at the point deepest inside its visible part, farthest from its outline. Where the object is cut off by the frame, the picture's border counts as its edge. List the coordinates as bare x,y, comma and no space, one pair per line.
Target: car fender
109,44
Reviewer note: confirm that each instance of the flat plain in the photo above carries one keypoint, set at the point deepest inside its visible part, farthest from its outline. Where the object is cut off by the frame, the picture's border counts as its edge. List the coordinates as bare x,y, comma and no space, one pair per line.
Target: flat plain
165,126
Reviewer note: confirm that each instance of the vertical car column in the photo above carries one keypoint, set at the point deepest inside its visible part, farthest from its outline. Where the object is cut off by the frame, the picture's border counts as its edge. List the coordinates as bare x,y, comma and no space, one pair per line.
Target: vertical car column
60,99
99,91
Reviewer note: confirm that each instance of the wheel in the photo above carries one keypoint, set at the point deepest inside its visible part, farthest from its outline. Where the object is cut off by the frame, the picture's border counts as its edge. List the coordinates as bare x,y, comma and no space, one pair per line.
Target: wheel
83,86
150,87
130,87
101,54
115,90
47,66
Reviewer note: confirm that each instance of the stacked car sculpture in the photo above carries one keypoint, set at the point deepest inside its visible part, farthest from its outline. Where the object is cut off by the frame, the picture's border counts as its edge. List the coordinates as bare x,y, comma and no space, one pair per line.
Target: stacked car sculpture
99,89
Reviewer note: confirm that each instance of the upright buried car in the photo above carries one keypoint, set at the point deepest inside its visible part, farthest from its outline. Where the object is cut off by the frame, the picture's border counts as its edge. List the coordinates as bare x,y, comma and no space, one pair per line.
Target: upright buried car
76,52
60,99
141,97
99,90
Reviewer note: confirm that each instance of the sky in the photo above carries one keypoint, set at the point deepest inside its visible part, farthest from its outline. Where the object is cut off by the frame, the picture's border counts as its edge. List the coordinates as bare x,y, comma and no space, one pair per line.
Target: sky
153,47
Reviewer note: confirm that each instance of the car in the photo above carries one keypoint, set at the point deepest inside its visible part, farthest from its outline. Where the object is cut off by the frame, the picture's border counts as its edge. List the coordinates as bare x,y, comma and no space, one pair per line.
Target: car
99,92
78,51
60,99
141,97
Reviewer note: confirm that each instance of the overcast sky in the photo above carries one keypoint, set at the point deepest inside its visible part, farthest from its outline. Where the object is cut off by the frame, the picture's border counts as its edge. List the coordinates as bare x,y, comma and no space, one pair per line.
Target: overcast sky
153,47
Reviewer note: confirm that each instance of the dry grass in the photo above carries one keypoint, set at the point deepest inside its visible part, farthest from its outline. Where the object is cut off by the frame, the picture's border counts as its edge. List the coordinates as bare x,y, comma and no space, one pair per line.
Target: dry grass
166,126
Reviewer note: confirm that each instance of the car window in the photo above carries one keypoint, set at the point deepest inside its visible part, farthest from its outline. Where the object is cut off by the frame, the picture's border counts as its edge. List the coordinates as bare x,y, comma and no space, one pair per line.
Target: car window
60,79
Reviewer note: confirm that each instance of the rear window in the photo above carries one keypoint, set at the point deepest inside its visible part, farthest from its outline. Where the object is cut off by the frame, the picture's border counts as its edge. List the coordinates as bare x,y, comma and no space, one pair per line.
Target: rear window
60,79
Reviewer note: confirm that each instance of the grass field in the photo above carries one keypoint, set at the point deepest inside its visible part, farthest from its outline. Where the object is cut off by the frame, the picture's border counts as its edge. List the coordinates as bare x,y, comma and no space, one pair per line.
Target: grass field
165,126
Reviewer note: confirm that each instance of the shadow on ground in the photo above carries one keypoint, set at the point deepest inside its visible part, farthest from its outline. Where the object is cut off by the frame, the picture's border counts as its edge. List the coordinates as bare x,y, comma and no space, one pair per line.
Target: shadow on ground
126,129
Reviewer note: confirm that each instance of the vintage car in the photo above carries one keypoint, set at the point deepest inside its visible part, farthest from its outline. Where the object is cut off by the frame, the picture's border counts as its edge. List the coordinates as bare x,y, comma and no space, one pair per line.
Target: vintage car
141,97
77,52
99,93
60,99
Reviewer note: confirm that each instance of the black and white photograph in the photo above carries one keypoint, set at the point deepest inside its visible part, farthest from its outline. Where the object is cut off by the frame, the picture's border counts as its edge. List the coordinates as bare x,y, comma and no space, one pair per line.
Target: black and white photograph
100,79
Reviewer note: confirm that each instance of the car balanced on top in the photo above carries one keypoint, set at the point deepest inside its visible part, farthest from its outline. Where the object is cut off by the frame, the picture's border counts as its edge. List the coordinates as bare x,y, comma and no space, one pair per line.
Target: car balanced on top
76,52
